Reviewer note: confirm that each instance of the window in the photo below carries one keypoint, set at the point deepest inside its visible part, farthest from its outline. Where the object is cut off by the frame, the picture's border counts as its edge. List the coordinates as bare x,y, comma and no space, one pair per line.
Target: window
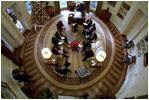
63,4
28,6
93,5
15,19
78,2
6,44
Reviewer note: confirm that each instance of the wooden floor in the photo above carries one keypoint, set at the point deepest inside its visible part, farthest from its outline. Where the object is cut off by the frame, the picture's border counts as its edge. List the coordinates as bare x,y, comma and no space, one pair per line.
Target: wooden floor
111,81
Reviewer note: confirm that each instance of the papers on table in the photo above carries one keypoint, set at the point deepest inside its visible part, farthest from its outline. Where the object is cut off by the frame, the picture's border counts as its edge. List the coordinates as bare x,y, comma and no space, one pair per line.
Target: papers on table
74,24
93,62
62,38
85,24
60,43
53,60
61,48
80,45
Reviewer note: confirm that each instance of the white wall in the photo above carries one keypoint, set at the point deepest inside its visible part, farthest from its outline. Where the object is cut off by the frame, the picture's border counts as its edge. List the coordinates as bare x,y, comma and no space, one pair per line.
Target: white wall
6,76
135,27
122,24
136,82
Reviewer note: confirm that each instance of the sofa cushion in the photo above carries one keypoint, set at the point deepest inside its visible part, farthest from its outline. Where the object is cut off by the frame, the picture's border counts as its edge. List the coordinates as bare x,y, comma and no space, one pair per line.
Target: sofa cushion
99,43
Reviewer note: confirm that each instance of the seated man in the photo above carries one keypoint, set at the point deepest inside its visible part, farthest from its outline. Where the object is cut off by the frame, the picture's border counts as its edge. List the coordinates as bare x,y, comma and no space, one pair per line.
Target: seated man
88,23
21,76
88,53
75,24
56,41
128,44
61,36
59,51
58,35
92,37
91,29
64,69
60,26
129,59
86,44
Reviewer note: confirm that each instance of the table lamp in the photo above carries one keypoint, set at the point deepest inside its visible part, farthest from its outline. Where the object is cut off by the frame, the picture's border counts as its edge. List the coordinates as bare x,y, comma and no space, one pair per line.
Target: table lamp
46,53
101,55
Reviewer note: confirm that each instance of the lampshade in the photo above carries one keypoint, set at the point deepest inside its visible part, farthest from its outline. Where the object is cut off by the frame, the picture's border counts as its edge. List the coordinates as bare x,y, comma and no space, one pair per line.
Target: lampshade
46,53
101,55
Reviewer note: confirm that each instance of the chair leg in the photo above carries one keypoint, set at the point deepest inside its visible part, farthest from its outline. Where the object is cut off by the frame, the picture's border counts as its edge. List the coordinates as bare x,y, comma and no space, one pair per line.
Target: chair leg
65,78
80,80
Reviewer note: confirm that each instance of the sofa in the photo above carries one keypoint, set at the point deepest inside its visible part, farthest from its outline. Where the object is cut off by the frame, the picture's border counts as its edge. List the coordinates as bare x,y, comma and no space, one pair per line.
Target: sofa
83,72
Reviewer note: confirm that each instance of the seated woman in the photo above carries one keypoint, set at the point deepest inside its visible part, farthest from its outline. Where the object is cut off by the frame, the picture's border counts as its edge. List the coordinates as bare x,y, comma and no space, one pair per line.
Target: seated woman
59,51
60,26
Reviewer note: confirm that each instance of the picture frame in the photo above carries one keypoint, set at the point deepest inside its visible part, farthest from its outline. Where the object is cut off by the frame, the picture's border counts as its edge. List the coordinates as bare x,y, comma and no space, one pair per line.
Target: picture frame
6,92
111,3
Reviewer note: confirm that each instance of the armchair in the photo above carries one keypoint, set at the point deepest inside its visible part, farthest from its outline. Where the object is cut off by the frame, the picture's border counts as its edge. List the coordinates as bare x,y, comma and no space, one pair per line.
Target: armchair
128,44
129,59
83,72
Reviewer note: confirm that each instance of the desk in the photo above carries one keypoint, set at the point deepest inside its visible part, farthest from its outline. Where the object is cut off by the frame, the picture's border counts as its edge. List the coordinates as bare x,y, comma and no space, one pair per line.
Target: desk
78,15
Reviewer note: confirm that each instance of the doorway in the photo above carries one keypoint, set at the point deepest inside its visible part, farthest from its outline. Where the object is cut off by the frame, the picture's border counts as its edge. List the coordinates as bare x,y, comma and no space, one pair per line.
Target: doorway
15,20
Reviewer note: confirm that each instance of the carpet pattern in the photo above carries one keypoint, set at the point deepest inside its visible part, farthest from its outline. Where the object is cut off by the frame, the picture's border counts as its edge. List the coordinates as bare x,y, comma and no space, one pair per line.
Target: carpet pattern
106,80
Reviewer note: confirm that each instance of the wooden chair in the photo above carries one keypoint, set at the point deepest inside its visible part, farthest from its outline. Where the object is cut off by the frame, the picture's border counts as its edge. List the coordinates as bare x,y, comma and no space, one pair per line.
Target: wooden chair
129,59
127,44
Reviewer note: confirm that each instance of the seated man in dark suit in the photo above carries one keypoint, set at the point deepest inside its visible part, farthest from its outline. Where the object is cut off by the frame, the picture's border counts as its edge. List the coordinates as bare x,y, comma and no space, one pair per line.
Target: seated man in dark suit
64,69
86,44
61,36
91,29
60,26
58,51
92,37
88,53
56,41
88,23
58,35
75,24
